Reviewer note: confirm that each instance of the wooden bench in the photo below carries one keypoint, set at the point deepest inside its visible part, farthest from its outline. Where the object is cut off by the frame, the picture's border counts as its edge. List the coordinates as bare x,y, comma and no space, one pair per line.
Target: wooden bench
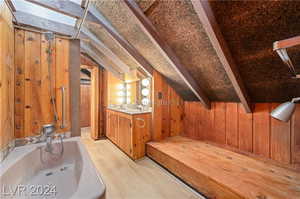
223,174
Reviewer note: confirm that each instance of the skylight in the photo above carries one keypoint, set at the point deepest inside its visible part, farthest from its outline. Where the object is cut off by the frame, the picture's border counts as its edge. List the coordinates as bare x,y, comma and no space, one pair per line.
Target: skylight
76,1
40,11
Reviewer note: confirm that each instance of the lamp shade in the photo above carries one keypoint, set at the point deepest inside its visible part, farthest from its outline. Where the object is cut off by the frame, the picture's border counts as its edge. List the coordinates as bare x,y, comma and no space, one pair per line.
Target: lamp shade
284,111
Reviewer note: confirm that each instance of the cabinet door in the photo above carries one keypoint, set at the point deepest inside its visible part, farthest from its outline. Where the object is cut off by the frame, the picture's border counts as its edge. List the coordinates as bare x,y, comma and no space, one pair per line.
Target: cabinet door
112,126
108,131
141,134
125,134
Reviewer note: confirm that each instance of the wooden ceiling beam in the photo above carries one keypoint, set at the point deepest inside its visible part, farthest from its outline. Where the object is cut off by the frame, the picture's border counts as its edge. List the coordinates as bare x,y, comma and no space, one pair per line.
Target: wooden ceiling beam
168,53
123,43
86,49
213,31
286,43
105,50
11,5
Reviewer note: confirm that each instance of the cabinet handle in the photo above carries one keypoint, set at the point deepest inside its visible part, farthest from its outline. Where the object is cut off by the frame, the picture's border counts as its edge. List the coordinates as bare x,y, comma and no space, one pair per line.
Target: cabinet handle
141,119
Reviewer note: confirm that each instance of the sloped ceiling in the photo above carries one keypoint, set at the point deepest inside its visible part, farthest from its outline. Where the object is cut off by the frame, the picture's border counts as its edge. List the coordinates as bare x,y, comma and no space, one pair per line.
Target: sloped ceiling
179,25
250,28
104,37
125,23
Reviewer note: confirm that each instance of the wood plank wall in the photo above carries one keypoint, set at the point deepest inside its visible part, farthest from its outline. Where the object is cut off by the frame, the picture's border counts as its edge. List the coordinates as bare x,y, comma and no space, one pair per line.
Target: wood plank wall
6,76
95,102
85,105
103,101
255,133
33,106
167,107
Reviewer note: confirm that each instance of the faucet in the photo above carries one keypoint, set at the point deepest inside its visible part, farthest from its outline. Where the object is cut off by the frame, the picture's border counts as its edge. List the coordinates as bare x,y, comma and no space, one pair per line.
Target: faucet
48,131
140,107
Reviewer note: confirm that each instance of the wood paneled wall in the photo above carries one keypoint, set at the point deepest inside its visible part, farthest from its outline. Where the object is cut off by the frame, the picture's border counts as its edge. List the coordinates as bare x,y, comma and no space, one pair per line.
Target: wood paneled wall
103,101
85,105
228,124
33,106
6,76
168,109
96,101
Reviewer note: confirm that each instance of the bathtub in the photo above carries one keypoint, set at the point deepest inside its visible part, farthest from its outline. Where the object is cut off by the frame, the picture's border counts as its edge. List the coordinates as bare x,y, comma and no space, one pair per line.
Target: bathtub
73,176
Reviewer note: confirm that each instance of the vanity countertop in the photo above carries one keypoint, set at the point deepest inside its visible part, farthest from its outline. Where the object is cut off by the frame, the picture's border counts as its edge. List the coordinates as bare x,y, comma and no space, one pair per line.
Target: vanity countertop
128,111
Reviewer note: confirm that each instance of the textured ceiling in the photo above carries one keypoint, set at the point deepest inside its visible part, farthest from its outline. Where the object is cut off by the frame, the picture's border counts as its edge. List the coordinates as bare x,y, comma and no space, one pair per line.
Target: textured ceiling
145,4
125,23
250,28
179,25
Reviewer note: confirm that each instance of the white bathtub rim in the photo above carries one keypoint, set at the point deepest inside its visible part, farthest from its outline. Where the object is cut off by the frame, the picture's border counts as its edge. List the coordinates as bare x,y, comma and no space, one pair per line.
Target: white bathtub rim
88,165
19,152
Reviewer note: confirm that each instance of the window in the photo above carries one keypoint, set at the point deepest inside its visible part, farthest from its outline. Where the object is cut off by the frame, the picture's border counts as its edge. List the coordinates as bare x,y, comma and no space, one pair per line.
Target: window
39,11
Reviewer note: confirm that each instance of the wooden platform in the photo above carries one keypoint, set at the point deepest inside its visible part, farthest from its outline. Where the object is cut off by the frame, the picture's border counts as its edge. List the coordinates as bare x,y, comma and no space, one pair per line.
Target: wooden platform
222,174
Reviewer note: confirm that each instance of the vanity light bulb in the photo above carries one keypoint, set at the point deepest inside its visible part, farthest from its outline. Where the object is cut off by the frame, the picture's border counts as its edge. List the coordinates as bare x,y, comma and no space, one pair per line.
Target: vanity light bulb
145,91
145,82
120,93
120,86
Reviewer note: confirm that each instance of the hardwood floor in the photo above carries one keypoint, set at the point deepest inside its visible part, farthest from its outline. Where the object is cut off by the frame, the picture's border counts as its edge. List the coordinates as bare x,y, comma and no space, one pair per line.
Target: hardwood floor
126,179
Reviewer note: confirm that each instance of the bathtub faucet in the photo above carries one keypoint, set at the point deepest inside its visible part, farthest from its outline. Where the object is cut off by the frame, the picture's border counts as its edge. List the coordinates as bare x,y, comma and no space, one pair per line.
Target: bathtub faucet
48,131
48,134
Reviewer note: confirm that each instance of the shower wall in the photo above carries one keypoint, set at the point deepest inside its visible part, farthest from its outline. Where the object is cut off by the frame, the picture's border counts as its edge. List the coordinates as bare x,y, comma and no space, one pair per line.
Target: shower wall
6,77
41,63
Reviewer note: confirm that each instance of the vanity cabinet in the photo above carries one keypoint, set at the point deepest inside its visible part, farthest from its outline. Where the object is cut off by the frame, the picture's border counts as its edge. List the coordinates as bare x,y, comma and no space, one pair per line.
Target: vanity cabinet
129,132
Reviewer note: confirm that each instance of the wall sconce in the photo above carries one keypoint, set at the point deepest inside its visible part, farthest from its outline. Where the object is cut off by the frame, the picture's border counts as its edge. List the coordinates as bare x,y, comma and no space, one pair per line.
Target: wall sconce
285,111
120,86
145,92
145,82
